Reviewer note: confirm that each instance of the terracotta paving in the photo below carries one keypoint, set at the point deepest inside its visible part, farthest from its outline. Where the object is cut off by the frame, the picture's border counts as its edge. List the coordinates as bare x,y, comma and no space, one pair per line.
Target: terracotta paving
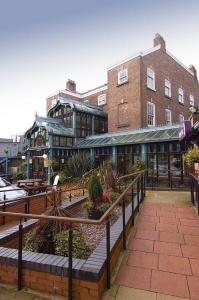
162,257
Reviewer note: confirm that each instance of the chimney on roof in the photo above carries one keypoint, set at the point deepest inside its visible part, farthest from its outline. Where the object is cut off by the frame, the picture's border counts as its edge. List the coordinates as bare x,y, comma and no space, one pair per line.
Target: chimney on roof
193,69
71,85
158,40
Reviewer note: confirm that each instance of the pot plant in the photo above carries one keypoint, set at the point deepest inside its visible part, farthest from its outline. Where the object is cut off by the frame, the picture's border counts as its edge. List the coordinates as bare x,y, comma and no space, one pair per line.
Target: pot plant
192,160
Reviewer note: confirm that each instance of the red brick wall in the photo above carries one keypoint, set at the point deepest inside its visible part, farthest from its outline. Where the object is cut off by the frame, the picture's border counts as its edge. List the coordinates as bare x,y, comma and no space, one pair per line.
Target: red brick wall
166,68
128,93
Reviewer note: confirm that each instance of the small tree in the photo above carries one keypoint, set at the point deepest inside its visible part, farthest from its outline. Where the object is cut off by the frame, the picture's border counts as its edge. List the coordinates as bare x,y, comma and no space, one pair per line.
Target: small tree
95,189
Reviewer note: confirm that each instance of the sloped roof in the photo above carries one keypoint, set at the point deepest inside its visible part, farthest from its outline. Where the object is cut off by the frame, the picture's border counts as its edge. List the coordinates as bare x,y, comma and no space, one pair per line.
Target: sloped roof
80,106
53,126
146,135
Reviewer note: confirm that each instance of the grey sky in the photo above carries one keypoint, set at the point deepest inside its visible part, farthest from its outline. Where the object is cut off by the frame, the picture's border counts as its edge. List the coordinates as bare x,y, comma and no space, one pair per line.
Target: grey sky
42,43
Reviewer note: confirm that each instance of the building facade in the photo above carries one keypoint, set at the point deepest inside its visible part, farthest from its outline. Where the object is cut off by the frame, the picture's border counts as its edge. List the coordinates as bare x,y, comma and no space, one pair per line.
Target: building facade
147,89
151,90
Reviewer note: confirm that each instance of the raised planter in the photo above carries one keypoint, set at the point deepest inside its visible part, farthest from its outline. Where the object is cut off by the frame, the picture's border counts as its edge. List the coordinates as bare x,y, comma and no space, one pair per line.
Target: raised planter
48,273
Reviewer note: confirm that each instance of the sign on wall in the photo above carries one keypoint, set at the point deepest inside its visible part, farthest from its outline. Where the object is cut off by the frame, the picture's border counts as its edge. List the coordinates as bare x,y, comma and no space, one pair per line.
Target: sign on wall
185,130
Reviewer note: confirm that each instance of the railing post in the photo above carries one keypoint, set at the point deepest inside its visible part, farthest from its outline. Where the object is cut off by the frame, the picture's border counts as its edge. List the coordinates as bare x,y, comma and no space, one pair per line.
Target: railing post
20,246
83,192
4,209
132,206
144,184
192,190
108,256
138,194
124,224
70,262
70,197
142,193
46,204
26,210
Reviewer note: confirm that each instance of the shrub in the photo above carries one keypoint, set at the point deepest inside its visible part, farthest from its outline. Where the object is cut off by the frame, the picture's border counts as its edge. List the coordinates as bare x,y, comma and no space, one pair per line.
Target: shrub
191,157
80,247
77,165
95,189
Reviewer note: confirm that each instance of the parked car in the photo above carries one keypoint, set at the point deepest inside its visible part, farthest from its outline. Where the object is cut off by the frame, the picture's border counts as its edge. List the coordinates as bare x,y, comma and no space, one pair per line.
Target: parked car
9,191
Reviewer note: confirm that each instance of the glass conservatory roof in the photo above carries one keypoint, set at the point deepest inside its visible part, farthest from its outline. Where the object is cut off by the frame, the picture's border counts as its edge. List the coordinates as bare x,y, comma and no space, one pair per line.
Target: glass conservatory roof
80,106
138,136
53,126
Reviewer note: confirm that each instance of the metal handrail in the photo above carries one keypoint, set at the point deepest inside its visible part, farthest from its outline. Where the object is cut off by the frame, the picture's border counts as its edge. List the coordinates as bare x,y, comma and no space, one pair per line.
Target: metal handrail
139,180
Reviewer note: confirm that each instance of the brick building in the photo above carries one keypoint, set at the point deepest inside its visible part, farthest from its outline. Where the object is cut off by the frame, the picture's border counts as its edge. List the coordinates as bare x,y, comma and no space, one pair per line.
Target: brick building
146,89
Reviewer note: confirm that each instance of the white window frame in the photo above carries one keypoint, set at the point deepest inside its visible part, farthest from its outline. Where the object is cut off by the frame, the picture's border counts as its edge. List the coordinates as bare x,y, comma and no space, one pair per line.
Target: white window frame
191,100
181,95
167,88
150,114
123,76
101,99
150,79
168,118
181,118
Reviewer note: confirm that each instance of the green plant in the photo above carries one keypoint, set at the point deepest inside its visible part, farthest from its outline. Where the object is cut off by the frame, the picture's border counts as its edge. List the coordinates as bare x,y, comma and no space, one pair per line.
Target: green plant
139,165
104,206
77,165
191,157
81,249
95,189
114,196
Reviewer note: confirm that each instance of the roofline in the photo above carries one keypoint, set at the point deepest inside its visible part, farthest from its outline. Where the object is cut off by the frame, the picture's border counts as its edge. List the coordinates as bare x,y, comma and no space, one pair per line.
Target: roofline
138,130
129,143
179,62
141,53
82,95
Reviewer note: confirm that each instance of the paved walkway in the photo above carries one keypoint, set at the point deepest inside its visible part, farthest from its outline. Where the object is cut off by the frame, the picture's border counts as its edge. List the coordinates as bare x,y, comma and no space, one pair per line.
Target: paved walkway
162,259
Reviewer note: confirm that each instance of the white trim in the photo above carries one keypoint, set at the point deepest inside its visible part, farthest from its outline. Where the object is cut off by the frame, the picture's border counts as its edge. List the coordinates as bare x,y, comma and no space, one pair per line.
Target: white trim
151,50
154,118
179,62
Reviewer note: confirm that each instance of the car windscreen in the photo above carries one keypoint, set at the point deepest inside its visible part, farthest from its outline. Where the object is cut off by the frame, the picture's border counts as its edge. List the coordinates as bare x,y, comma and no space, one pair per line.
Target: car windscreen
3,183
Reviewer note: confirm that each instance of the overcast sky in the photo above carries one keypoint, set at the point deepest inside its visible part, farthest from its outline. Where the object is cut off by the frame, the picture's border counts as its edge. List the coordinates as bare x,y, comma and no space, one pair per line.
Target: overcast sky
44,42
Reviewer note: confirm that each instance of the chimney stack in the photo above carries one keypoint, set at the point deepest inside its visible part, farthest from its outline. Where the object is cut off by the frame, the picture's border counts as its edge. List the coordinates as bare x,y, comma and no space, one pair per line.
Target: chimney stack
158,40
71,85
193,69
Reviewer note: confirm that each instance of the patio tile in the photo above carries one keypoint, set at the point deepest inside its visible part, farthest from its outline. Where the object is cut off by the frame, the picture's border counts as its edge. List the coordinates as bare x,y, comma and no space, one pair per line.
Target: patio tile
169,283
188,222
185,216
174,264
134,277
125,293
186,210
148,212
195,266
192,230
140,244
190,251
172,221
166,227
171,237
145,225
193,283
191,240
168,297
163,213
148,219
143,259
147,234
167,248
